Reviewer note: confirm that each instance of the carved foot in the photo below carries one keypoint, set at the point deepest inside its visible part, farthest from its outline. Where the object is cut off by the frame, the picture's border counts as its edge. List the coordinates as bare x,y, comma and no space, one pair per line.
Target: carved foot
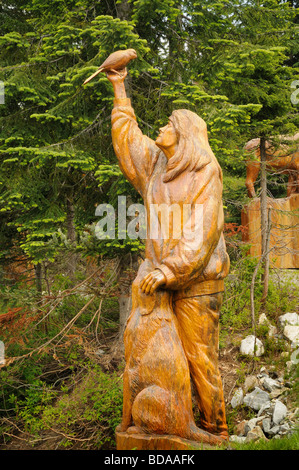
121,428
134,430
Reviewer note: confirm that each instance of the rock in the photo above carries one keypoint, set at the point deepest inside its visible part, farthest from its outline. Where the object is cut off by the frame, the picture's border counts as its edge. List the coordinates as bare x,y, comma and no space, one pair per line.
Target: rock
270,384
284,428
250,383
289,319
98,352
279,413
266,408
272,330
251,346
239,439
255,434
294,414
253,423
274,430
295,357
291,333
237,399
240,428
277,392
266,425
257,399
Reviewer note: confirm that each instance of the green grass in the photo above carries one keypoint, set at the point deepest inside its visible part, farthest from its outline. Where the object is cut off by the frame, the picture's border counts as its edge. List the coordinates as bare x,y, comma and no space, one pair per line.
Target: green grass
285,443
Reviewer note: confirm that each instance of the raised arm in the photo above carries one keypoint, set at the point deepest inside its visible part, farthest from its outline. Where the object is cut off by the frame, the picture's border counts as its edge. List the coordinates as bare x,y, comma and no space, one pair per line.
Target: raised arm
136,153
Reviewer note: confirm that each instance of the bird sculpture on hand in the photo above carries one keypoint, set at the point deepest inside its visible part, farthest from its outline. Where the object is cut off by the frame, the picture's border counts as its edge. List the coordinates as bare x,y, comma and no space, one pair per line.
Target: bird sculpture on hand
117,61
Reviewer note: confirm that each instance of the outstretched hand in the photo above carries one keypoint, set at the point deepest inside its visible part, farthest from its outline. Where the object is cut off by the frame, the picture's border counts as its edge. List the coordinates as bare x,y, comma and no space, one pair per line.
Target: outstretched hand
117,77
152,281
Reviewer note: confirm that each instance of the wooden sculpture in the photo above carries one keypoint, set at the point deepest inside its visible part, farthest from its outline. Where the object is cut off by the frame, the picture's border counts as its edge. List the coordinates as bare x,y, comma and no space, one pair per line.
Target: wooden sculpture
284,159
118,60
284,237
172,330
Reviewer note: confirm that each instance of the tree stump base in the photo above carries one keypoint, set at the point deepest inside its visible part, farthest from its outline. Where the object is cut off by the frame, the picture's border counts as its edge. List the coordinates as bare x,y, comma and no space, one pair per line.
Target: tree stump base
126,441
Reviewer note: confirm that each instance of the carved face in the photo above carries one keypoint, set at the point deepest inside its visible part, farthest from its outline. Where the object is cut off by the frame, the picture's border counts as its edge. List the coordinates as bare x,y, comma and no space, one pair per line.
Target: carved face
167,137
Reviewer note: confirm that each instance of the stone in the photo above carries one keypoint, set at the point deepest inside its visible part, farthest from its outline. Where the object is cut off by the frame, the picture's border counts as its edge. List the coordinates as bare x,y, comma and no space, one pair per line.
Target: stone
252,346
284,428
279,412
277,392
257,399
251,382
266,408
295,357
266,425
240,428
291,333
294,414
255,434
274,430
289,319
237,399
253,423
270,384
272,330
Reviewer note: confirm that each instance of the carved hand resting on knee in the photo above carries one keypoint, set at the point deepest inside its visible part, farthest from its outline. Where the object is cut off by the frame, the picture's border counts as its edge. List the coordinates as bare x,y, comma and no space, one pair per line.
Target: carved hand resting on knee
152,281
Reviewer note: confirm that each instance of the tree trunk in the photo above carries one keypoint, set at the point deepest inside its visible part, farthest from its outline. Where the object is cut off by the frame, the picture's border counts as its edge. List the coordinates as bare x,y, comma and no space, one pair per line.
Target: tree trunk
267,259
176,47
264,218
128,268
38,279
71,235
124,10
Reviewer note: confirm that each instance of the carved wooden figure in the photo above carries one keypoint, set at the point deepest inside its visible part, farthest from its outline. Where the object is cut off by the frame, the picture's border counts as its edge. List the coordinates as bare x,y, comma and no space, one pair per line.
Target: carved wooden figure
172,330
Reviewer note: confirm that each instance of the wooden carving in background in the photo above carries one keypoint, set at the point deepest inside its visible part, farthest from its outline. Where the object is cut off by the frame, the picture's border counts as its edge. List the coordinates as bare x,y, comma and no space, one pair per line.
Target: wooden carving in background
283,159
284,238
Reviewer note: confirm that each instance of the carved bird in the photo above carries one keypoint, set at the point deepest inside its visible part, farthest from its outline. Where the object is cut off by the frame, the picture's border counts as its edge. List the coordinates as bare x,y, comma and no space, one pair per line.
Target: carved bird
118,60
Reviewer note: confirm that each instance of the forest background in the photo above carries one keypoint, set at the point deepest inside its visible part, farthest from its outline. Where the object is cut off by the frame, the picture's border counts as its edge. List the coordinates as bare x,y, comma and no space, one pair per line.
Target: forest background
65,294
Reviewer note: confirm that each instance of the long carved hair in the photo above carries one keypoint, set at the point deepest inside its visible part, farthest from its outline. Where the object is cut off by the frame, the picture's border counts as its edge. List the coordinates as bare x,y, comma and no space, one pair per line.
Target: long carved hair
193,151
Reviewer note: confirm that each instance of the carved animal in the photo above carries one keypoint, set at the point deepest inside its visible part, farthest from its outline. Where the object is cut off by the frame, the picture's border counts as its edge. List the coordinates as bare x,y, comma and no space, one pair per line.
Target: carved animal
118,60
157,390
284,158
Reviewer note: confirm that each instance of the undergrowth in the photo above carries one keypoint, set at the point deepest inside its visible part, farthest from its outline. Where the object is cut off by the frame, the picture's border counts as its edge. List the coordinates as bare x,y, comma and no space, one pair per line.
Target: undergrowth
62,385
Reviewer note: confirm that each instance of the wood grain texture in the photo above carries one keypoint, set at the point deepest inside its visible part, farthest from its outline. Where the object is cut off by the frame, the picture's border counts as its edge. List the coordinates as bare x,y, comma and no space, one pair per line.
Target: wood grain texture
284,233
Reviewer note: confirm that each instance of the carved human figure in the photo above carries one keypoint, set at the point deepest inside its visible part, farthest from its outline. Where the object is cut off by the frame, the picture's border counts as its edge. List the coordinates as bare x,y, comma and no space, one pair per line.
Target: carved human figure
177,295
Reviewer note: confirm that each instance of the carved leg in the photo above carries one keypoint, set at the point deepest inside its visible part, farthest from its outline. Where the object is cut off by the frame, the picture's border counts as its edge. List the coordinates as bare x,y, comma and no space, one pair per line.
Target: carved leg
252,171
198,319
127,405
292,184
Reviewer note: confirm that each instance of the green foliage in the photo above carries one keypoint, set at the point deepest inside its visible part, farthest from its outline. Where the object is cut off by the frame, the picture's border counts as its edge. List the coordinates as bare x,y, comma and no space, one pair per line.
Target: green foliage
94,404
226,60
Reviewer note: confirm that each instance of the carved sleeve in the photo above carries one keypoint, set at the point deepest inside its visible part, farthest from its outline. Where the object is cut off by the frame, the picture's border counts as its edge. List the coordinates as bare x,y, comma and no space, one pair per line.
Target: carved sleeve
136,152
